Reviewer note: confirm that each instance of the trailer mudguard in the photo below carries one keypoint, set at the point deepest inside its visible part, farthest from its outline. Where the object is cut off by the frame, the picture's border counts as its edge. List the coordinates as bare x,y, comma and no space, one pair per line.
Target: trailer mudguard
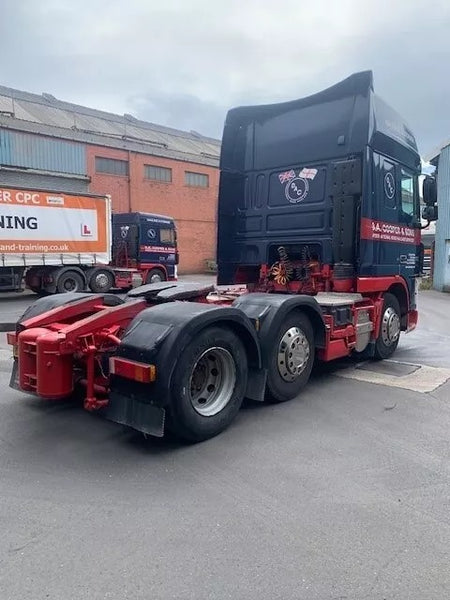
267,311
158,336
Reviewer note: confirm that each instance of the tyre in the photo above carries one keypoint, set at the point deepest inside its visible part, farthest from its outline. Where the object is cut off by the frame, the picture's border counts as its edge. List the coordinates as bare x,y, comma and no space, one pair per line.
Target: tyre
389,335
155,276
291,358
70,281
208,385
101,281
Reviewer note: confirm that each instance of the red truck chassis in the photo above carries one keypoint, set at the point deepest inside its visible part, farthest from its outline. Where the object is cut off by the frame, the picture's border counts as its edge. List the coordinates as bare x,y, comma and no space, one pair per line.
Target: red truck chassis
73,347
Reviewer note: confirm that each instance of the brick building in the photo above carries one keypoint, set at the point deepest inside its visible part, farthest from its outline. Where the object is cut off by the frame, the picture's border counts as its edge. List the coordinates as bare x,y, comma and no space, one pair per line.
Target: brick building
50,144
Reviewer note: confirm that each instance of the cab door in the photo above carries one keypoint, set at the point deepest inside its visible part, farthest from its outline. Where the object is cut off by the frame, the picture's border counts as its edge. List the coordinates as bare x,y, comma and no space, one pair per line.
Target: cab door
389,240
411,255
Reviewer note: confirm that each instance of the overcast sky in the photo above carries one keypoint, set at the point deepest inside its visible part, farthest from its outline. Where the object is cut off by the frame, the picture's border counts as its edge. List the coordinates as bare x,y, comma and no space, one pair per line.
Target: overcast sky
183,63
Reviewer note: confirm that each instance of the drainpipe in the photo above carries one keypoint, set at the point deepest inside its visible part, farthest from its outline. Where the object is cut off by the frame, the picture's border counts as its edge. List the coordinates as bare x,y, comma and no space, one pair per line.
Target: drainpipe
129,181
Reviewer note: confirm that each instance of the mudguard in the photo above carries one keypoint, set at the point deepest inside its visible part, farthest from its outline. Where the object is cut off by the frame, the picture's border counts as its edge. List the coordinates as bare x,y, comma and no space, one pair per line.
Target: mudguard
158,336
267,311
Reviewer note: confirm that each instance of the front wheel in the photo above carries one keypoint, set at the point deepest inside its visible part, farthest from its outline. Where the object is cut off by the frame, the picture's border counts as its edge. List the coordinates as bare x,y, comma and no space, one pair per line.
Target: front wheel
209,384
390,326
155,276
291,358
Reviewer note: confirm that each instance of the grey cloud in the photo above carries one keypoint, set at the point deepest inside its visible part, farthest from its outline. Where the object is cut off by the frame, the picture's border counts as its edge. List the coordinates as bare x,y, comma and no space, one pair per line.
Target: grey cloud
181,111
183,64
411,67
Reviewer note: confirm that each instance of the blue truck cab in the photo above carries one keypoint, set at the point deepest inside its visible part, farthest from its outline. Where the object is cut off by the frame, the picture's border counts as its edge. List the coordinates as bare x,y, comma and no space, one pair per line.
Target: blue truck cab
146,242
321,194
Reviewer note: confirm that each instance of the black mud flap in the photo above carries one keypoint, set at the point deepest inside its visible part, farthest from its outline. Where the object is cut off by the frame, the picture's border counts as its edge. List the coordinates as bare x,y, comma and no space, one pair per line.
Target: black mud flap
141,416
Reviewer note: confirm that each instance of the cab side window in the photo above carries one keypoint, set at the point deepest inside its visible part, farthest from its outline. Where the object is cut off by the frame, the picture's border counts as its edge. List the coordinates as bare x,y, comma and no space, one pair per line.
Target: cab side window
407,190
167,236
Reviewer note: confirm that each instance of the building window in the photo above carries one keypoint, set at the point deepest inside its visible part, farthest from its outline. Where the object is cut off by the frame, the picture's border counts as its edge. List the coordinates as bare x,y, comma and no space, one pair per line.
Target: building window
158,173
112,166
196,179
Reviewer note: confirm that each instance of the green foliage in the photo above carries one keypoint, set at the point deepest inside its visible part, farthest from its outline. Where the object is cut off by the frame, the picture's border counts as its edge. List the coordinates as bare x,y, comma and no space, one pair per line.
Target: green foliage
426,283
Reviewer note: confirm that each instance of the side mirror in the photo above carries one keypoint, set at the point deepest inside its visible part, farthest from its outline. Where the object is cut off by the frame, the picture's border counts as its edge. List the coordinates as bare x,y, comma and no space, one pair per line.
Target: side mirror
429,191
430,213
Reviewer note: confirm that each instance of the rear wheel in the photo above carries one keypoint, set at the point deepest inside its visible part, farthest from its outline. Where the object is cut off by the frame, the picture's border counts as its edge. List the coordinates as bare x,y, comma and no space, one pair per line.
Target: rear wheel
390,326
101,281
291,358
155,276
70,281
209,384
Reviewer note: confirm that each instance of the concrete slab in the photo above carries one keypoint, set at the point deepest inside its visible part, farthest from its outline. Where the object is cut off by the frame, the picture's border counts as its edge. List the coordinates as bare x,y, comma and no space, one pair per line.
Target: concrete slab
389,367
417,378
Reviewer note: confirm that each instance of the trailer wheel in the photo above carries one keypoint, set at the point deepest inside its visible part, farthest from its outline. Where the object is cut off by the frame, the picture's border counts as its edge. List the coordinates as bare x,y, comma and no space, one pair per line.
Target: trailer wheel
70,281
291,358
101,281
155,276
208,385
390,326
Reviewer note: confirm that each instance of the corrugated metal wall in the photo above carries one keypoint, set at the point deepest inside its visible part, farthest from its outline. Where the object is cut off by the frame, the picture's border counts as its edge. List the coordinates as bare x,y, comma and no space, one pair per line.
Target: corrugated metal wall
43,181
18,149
441,278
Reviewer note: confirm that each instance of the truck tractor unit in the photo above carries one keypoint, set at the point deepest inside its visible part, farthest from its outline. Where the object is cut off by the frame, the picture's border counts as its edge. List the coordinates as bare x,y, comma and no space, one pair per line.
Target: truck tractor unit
318,254
144,248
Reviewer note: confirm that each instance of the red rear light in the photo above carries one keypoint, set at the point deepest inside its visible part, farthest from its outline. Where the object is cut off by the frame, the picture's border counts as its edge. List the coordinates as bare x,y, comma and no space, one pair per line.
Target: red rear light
132,370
